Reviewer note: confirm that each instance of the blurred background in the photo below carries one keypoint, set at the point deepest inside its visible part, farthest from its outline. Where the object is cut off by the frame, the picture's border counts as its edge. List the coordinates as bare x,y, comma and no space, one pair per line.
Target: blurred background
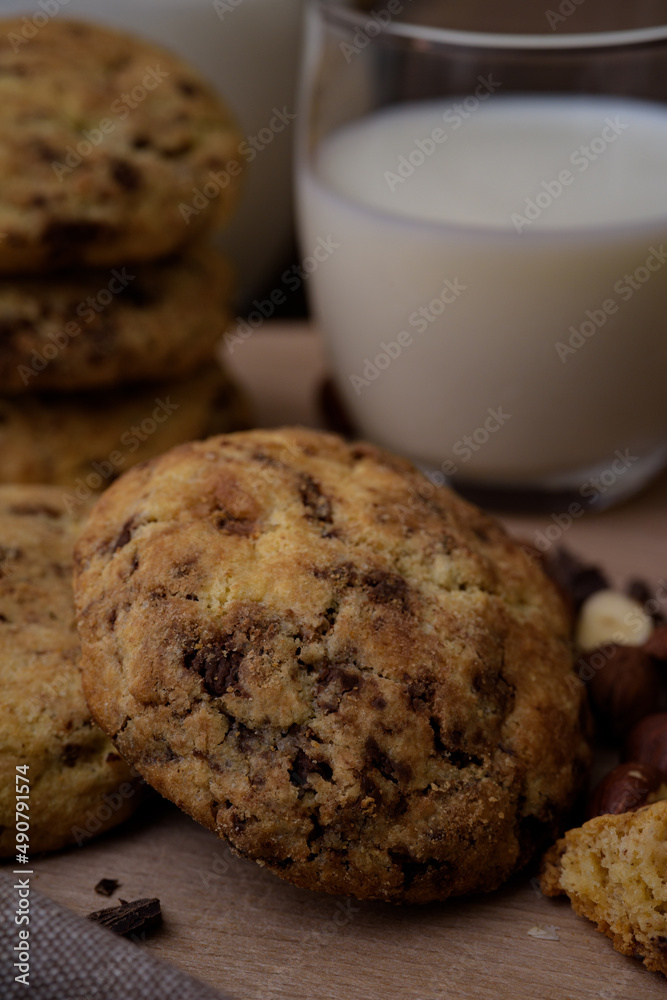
250,50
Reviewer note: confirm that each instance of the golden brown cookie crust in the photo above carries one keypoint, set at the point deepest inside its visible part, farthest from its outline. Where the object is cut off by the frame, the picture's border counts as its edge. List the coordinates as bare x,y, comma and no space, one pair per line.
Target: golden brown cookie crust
88,439
79,785
89,329
363,690
614,870
103,137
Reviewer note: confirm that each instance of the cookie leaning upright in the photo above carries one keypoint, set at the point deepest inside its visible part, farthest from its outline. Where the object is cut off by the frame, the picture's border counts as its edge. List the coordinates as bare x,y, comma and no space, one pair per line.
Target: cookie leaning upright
103,139
365,691
79,785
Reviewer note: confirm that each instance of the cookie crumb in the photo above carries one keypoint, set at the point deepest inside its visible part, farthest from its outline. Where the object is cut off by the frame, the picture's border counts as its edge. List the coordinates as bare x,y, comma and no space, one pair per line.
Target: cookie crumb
545,932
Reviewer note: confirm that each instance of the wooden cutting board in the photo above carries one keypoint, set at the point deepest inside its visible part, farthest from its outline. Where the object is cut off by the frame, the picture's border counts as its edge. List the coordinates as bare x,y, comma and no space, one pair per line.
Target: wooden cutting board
245,931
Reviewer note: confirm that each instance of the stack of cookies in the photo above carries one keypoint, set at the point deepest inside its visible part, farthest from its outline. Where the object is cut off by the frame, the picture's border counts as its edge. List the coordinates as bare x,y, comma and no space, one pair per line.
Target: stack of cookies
111,300
51,753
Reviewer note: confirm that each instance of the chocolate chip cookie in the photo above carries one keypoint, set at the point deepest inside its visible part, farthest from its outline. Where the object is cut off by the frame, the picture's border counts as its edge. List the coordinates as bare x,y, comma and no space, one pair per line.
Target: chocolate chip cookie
357,679
84,441
105,142
78,783
86,329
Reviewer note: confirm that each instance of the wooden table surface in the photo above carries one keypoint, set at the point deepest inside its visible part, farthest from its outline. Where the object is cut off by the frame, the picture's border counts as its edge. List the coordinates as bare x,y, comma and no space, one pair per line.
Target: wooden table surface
244,931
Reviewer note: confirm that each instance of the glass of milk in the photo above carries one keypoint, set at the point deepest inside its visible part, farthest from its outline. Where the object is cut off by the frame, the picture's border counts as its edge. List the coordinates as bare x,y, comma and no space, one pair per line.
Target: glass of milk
486,213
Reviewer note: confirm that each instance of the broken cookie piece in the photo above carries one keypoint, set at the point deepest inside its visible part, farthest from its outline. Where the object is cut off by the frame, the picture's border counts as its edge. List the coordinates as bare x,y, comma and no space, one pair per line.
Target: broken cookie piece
614,870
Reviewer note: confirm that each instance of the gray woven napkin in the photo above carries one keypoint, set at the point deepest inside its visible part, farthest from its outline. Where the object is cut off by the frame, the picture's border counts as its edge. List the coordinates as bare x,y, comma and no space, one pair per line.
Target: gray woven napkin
71,958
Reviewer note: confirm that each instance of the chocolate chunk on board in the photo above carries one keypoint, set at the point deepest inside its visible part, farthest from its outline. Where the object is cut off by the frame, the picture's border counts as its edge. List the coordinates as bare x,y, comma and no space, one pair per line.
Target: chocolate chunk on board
107,886
129,918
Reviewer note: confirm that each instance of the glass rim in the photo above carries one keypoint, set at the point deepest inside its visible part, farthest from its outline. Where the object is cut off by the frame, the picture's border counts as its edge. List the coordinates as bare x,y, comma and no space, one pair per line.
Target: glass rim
495,40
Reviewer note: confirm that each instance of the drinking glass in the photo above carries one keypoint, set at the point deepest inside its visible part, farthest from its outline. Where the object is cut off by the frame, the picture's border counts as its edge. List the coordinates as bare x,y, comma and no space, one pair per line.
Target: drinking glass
485,216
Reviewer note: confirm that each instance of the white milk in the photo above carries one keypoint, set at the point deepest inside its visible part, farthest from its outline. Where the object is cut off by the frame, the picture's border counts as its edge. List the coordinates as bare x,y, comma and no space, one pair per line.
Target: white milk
250,50
496,307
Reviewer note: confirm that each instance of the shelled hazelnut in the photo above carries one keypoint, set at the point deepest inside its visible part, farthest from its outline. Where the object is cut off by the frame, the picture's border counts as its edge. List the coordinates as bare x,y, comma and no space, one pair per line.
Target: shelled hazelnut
609,616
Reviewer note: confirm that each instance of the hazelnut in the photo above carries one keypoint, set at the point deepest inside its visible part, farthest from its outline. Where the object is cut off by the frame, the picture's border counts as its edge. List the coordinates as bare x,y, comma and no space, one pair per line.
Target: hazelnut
626,788
623,685
608,616
656,644
647,741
